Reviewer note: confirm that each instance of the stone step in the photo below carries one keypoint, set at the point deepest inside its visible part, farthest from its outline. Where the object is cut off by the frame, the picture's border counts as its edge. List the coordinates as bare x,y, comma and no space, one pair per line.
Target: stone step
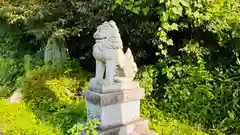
137,127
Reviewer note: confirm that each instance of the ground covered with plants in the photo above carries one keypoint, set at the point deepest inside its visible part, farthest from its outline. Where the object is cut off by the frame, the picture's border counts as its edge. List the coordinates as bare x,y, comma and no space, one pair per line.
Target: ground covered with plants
187,52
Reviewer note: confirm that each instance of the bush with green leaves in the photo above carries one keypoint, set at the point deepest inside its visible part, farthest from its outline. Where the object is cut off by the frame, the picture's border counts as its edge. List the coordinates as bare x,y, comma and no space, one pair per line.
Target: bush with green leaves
150,109
204,96
18,119
10,70
89,128
163,124
51,95
218,17
144,76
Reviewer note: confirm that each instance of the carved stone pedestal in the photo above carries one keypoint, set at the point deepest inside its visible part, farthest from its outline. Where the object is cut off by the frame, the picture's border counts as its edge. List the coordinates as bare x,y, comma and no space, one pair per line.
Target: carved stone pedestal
117,107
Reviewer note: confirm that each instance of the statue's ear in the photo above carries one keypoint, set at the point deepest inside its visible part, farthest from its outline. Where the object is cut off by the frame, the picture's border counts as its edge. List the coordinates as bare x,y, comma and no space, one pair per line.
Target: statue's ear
112,23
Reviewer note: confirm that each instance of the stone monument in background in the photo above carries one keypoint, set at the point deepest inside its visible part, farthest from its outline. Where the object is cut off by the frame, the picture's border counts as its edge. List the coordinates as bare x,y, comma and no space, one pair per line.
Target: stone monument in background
55,51
114,97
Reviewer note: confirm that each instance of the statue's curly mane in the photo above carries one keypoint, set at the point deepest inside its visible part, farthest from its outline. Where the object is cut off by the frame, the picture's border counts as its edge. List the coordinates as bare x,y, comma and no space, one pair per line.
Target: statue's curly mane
109,46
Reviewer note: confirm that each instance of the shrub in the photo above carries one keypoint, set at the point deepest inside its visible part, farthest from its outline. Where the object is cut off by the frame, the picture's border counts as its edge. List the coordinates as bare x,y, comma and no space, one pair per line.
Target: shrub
164,125
9,46
88,129
144,76
150,108
9,70
192,92
50,94
17,119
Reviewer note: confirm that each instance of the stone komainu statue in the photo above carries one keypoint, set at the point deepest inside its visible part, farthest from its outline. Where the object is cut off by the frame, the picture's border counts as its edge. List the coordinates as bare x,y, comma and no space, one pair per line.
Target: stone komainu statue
109,55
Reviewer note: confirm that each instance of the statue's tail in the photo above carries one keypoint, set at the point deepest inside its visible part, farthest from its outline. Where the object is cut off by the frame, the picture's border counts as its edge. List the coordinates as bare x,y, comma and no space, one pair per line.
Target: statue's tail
131,66
126,67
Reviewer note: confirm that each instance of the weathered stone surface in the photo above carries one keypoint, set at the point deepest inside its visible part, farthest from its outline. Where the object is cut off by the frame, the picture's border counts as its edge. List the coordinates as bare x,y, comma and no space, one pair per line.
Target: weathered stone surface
137,127
151,133
113,98
114,115
110,58
55,51
125,84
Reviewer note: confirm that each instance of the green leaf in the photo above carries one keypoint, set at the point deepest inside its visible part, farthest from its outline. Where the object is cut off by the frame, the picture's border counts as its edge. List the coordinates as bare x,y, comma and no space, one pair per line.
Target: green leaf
160,46
129,6
164,52
161,1
184,3
238,61
196,14
231,114
177,10
175,2
131,1
166,26
94,132
170,42
145,10
174,26
119,2
164,17
87,132
138,3
136,10
114,6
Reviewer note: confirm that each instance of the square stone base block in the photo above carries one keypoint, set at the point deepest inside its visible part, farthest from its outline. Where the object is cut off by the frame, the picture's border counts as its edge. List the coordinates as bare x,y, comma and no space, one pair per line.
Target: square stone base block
137,127
125,84
113,115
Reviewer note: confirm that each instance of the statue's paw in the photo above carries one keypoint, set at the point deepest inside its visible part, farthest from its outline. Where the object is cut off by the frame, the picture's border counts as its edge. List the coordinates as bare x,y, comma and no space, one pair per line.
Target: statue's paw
107,82
100,82
92,82
95,82
117,79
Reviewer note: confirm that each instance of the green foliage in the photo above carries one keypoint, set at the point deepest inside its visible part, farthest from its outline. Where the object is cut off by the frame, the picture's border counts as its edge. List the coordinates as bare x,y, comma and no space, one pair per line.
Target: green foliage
192,92
4,92
220,17
71,68
197,82
10,70
12,61
164,125
186,83
144,76
17,119
50,103
16,45
43,18
9,46
88,129
225,18
50,94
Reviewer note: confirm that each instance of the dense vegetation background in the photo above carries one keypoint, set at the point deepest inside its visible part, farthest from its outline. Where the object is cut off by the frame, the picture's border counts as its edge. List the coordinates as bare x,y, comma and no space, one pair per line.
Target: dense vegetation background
187,51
